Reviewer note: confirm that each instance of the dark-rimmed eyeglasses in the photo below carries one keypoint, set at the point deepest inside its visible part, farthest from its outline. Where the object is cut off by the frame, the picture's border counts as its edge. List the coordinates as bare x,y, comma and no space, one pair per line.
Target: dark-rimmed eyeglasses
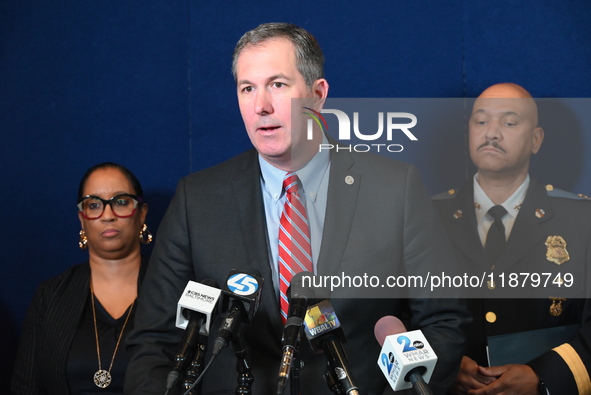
123,205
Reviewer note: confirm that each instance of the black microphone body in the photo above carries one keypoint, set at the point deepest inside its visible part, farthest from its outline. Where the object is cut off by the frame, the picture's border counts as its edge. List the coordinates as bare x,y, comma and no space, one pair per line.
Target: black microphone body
197,315
324,332
229,327
241,296
189,341
415,377
298,304
337,361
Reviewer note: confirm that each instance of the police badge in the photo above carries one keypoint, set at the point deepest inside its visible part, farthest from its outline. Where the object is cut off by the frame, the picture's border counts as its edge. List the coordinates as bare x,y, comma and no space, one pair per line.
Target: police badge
556,250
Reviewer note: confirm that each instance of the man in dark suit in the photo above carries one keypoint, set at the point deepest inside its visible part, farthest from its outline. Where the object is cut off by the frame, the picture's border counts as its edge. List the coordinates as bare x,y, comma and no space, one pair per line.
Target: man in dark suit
541,230
367,214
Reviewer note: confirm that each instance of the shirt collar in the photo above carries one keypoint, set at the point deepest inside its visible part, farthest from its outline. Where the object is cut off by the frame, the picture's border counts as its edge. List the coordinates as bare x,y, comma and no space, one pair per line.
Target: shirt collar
310,175
482,202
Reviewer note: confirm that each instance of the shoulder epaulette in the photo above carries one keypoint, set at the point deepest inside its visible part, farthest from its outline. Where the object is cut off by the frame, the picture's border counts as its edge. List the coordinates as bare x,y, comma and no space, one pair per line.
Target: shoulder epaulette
560,193
450,193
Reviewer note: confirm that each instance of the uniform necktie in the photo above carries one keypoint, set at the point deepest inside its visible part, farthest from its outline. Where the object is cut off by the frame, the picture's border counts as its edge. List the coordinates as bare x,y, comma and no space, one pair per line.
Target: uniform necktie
495,239
295,251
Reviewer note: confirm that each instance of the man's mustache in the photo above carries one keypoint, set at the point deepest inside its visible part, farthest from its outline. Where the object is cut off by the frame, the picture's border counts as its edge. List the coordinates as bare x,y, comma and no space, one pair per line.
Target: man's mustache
494,144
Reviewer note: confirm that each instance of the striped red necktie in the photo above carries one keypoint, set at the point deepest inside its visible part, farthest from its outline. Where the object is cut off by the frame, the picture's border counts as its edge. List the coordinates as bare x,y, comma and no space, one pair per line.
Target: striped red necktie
295,251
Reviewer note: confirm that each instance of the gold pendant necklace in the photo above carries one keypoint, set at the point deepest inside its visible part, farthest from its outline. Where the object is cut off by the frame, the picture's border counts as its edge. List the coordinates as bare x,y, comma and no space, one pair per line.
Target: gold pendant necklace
102,378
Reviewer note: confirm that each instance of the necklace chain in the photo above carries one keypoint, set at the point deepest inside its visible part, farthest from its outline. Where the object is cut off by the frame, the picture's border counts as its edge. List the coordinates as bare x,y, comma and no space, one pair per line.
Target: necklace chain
102,378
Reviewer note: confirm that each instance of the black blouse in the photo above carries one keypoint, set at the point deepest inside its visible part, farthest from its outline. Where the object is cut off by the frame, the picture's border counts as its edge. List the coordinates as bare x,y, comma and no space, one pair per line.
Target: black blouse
82,361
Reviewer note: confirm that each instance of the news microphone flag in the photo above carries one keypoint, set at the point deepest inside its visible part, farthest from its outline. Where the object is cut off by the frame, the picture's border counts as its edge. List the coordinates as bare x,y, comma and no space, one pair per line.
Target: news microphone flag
197,297
404,352
320,319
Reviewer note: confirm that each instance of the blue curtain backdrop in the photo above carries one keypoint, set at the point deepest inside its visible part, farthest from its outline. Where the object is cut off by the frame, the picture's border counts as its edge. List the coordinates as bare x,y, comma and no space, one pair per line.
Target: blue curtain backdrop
148,84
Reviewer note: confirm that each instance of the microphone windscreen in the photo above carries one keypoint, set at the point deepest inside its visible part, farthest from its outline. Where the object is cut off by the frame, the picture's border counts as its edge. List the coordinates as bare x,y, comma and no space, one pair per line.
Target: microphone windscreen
386,326
297,289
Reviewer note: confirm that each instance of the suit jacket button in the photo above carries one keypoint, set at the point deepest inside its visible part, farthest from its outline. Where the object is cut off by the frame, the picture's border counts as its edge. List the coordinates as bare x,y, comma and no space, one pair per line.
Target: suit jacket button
491,317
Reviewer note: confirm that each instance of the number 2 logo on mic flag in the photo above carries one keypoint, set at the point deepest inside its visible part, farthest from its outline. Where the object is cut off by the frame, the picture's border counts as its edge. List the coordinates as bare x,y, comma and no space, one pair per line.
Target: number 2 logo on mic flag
242,284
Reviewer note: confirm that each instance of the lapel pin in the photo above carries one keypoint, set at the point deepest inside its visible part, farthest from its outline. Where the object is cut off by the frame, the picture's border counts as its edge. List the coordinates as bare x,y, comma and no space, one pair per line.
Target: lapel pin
349,180
458,214
491,284
540,213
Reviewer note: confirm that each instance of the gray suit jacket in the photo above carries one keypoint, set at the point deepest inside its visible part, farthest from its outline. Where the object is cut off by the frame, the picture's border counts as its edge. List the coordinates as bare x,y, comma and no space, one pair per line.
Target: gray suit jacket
382,223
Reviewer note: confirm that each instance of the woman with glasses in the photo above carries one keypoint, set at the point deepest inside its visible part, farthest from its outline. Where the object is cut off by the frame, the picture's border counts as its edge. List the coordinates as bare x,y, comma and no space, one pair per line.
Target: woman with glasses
73,338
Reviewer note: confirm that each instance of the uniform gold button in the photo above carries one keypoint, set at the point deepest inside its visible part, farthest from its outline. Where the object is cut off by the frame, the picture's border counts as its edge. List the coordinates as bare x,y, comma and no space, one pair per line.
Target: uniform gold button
549,188
491,317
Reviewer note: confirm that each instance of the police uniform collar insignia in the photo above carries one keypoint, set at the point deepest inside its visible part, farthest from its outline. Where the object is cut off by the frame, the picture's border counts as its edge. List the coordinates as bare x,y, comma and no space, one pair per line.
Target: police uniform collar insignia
556,250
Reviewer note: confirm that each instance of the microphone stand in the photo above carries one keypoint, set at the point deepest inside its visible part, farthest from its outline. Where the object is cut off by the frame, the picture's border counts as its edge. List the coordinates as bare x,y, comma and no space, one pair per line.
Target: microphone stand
294,379
195,369
245,378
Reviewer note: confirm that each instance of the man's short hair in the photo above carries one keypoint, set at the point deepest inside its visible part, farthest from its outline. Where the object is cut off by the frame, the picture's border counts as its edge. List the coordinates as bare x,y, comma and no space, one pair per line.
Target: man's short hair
309,56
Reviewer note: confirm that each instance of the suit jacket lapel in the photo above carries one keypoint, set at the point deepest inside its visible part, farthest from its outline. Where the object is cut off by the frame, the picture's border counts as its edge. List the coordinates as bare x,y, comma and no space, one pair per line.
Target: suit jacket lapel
461,224
340,209
527,232
248,200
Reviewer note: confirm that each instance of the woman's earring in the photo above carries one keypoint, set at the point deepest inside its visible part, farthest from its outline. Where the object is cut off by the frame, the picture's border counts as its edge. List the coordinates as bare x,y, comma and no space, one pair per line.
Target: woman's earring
145,235
83,240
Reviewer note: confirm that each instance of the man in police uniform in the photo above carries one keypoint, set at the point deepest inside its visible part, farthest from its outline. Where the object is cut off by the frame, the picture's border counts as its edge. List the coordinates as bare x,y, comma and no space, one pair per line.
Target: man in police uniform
539,229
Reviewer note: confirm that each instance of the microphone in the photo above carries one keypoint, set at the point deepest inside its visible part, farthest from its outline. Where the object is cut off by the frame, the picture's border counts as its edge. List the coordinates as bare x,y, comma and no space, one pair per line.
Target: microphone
198,300
407,359
240,300
241,296
195,309
299,298
324,332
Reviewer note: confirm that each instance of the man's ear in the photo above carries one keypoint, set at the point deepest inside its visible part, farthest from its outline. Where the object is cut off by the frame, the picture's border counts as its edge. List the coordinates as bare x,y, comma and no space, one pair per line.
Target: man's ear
320,90
538,136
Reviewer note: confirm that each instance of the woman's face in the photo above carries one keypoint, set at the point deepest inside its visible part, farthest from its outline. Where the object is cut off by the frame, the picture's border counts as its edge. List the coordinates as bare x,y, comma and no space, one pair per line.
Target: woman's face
111,237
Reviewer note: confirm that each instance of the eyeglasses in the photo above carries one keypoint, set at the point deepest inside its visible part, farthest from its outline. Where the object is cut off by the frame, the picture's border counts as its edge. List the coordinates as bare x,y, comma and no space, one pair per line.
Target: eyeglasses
123,206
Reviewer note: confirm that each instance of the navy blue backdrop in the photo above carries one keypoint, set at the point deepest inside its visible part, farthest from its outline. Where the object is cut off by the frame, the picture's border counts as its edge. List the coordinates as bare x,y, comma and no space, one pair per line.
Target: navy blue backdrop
148,84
